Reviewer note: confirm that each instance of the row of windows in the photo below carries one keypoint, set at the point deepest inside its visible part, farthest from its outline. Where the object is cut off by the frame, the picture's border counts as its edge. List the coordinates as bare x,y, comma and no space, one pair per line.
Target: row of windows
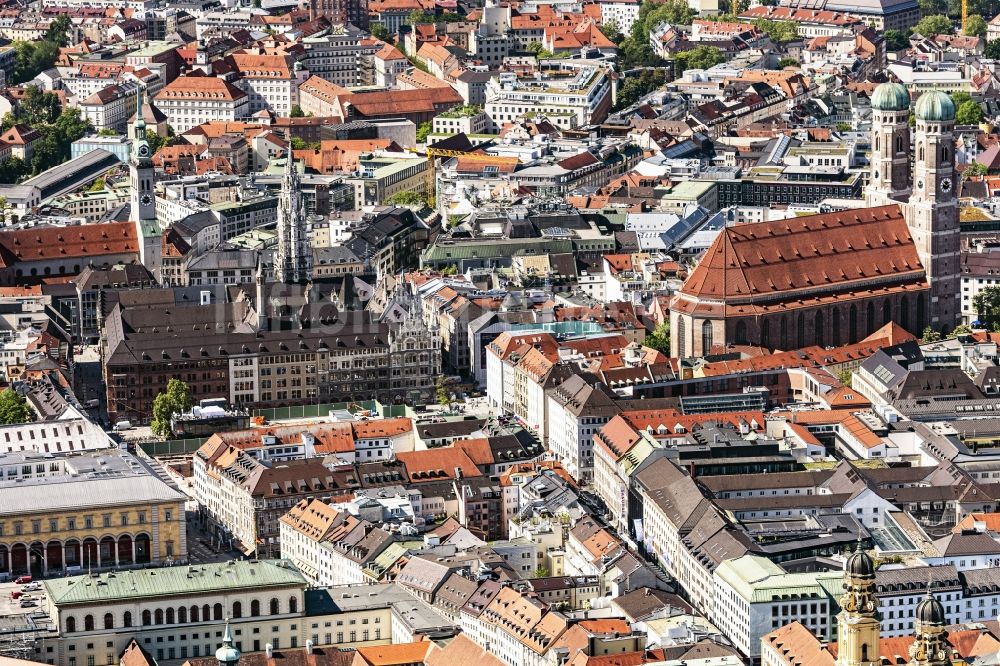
182,615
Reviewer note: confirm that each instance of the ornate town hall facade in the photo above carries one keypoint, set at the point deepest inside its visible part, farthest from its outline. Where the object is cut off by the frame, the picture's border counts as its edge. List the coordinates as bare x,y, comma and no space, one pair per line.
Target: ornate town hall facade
835,278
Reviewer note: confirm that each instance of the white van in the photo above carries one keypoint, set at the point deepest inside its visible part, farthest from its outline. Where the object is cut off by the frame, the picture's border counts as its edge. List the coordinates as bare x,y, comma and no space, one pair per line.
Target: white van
123,425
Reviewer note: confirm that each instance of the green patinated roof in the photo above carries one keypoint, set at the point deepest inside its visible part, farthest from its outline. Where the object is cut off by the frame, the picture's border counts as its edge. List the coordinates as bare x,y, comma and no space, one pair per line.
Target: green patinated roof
759,580
390,555
169,581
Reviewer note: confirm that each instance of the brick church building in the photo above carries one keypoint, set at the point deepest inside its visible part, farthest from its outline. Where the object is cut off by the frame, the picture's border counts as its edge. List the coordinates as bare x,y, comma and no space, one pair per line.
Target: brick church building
835,278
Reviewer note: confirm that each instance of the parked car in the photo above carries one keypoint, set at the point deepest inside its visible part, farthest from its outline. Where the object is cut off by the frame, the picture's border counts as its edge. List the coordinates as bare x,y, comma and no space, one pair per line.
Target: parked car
16,594
28,603
22,580
32,587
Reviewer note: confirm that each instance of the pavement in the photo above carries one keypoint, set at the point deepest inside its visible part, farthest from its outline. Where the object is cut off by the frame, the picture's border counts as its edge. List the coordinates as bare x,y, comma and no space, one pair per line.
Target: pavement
10,606
201,547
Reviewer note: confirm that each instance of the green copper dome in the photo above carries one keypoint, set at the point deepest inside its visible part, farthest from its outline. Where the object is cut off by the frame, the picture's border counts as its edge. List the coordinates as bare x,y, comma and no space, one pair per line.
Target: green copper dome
890,97
936,106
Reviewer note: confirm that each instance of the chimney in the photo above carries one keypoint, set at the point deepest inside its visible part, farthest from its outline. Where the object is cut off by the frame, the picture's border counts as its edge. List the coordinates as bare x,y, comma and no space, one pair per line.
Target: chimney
309,647
269,650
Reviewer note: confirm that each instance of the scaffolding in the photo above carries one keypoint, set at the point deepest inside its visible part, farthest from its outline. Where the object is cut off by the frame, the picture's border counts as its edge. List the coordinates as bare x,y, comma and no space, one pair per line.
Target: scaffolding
19,637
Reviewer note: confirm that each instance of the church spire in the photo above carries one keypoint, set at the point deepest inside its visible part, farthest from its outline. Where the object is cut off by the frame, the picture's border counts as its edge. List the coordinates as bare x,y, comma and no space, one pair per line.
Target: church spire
858,622
293,260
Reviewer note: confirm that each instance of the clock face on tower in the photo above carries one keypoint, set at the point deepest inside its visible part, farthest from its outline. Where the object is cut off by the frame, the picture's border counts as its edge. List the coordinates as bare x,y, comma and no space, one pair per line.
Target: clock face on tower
145,199
143,150
946,185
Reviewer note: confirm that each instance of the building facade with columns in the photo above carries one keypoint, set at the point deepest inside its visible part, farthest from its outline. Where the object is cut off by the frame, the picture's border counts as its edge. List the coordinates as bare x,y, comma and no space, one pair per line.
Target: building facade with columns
101,510
835,278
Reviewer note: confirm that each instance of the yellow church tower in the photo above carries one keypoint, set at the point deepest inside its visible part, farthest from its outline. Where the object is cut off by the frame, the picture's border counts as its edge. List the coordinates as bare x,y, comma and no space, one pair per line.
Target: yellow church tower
858,622
931,645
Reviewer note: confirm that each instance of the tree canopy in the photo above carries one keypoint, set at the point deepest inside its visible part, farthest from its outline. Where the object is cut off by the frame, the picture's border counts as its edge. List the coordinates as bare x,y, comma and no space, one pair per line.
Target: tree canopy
934,25
700,57
975,26
987,306
14,408
176,399
896,40
659,339
969,113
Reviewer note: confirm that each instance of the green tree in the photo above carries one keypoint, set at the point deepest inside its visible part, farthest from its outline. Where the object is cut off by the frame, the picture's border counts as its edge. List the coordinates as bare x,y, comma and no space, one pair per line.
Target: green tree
14,408
930,335
58,30
406,198
975,169
779,31
98,185
296,112
845,377
961,329
634,88
418,16
969,113
38,107
379,32
987,306
934,25
541,572
441,393
176,399
992,50
958,98
423,131
975,26
155,141
107,131
932,7
3,210
12,170
612,31
843,127
32,58
896,40
659,339
787,62
700,57
298,143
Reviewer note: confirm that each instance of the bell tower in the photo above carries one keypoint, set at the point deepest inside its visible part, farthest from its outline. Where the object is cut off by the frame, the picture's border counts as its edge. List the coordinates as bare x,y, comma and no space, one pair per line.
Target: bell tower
143,205
933,210
858,624
890,161
930,647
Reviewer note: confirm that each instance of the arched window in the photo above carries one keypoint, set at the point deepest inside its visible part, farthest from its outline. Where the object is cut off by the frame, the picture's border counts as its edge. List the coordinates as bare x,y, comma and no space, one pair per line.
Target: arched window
800,330
920,151
182,615
127,619
870,318
921,312
237,609
741,333
904,312
820,326
206,612
899,143
88,622
147,618
783,333
194,613
70,625
158,616
876,142
765,333
864,652
109,621
217,612
170,616
835,333
293,604
706,337
254,608
275,607
886,312
852,325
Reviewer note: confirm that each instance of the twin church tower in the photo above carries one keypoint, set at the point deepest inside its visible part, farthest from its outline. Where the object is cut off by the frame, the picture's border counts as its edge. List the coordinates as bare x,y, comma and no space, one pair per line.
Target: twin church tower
927,193
859,622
